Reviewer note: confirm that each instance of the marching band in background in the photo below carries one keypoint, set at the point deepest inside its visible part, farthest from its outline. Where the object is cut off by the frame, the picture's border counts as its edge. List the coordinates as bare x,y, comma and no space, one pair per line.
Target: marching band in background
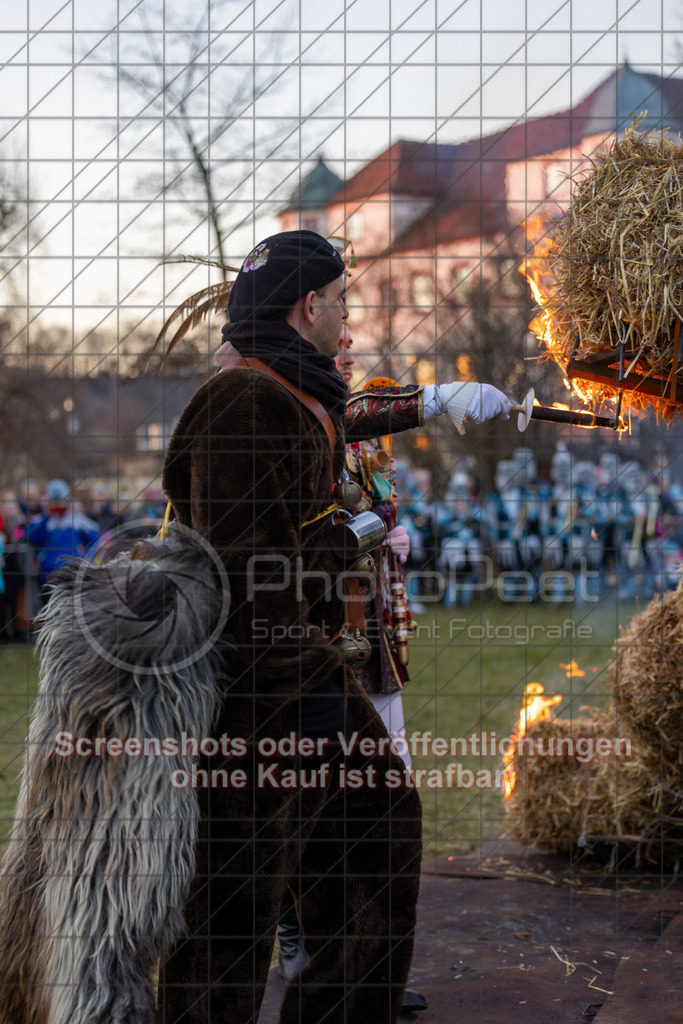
591,527
588,528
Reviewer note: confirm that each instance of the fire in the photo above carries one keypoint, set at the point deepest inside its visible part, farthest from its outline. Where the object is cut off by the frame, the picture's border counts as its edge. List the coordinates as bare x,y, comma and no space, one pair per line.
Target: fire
536,269
572,669
535,708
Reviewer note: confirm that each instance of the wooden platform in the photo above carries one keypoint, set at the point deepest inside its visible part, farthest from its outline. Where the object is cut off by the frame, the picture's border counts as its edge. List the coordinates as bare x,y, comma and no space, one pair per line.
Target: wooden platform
507,936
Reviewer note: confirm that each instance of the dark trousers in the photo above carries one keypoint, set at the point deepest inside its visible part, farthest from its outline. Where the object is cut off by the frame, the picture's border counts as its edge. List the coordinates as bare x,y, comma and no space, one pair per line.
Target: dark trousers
351,857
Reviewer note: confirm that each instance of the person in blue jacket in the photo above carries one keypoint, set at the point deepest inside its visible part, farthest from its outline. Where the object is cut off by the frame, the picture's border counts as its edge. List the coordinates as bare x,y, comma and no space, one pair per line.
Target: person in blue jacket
60,532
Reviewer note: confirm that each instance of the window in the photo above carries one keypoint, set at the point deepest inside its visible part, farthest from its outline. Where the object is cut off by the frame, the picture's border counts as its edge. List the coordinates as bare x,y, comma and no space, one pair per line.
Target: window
463,365
463,283
425,371
423,292
423,368
355,306
355,226
557,183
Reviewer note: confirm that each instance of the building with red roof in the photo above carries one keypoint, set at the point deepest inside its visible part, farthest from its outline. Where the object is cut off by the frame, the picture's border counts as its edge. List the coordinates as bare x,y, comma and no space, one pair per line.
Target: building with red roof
434,223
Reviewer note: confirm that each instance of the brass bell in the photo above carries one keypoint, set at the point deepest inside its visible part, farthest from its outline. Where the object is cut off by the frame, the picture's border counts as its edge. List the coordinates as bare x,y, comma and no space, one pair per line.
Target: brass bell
364,565
348,494
354,646
364,645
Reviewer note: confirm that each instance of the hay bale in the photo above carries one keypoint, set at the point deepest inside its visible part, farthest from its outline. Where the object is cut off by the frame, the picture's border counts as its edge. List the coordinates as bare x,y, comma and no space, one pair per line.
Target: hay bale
646,680
561,803
646,677
643,795
643,799
617,259
553,797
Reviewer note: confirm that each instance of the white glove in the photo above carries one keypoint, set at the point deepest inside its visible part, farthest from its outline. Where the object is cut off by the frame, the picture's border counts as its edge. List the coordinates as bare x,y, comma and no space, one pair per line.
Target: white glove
487,403
460,400
398,540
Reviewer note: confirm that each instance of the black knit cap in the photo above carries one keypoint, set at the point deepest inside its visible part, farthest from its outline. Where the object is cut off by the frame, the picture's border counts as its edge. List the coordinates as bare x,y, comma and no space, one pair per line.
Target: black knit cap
280,270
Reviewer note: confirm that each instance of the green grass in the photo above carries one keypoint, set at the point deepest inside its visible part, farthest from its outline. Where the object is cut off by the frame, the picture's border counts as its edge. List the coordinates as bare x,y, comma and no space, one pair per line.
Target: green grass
468,669
18,686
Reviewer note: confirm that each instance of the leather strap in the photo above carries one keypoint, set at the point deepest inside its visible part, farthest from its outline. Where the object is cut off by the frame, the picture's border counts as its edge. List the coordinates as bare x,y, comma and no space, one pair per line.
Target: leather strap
311,403
354,607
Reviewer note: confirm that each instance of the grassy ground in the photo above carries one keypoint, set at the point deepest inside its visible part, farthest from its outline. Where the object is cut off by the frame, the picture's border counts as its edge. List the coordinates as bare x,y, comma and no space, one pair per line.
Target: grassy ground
18,685
468,670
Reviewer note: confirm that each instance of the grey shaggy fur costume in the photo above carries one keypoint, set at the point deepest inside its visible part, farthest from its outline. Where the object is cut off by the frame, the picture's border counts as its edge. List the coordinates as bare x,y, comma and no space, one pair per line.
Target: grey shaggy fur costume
103,848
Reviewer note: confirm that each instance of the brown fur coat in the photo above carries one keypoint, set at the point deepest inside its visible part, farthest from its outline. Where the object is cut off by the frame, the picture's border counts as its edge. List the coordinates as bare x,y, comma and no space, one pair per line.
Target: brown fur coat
246,466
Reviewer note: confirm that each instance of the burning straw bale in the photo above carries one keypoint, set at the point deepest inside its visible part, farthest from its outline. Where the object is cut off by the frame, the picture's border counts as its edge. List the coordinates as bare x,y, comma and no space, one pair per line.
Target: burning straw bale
563,802
553,797
558,803
617,259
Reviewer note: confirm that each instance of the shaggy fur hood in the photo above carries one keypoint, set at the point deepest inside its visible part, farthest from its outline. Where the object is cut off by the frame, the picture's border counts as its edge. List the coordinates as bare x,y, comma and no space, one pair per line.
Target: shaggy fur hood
102,850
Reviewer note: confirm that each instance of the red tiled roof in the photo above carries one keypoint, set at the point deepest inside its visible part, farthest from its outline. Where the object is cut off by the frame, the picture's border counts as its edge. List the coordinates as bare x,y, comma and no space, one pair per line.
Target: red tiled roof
467,180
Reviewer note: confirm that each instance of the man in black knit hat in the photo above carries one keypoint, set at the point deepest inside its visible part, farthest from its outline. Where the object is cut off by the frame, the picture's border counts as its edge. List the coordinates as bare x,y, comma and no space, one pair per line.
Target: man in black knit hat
251,466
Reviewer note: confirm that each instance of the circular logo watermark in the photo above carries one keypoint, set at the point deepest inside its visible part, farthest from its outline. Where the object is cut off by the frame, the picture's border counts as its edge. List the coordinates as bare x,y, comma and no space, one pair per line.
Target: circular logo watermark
147,604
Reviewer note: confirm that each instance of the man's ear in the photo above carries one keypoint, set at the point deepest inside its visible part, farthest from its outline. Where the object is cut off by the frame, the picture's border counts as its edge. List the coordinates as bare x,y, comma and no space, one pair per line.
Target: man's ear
308,307
303,314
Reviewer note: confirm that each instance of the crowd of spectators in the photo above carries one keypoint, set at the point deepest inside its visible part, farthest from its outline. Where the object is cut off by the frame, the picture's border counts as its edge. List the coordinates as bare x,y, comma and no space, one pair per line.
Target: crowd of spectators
40,526
588,527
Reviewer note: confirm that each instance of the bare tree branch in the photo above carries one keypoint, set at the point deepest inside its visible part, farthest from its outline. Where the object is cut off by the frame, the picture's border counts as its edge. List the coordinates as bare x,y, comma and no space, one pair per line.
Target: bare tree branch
212,154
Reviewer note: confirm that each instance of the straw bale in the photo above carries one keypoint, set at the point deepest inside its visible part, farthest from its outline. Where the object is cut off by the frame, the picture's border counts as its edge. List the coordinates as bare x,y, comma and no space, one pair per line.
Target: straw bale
553,795
646,677
644,792
617,258
636,797
644,798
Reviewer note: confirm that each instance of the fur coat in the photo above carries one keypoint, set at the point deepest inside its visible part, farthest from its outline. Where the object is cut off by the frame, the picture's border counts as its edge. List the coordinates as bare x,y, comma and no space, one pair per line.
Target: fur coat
103,851
248,492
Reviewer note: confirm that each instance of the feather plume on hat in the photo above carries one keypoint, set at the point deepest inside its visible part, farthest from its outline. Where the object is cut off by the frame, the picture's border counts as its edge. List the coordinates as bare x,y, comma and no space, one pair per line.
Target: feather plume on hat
215,298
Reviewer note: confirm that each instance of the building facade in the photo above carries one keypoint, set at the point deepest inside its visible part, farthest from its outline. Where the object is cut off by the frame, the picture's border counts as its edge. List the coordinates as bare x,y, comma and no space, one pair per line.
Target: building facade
439,232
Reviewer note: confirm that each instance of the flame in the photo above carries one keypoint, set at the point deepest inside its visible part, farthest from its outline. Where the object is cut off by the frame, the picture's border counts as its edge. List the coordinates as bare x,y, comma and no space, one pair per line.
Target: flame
573,669
536,269
535,708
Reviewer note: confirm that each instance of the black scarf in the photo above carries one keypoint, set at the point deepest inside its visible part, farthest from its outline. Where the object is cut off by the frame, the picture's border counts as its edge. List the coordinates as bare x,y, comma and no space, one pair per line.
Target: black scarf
278,345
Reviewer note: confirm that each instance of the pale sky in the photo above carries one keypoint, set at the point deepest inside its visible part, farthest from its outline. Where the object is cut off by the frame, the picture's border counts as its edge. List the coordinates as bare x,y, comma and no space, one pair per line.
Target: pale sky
347,78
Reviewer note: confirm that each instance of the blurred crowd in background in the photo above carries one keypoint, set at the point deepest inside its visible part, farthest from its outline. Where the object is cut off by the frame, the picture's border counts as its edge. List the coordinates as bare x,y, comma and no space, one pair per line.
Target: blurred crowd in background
41,525
590,527
615,523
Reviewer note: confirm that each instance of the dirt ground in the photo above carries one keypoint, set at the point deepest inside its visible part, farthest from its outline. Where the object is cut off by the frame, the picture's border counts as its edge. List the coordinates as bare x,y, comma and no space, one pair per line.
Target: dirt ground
515,936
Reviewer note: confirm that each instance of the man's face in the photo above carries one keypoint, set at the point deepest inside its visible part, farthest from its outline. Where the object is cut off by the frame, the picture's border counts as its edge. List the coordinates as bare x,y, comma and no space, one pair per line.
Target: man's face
344,359
330,309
